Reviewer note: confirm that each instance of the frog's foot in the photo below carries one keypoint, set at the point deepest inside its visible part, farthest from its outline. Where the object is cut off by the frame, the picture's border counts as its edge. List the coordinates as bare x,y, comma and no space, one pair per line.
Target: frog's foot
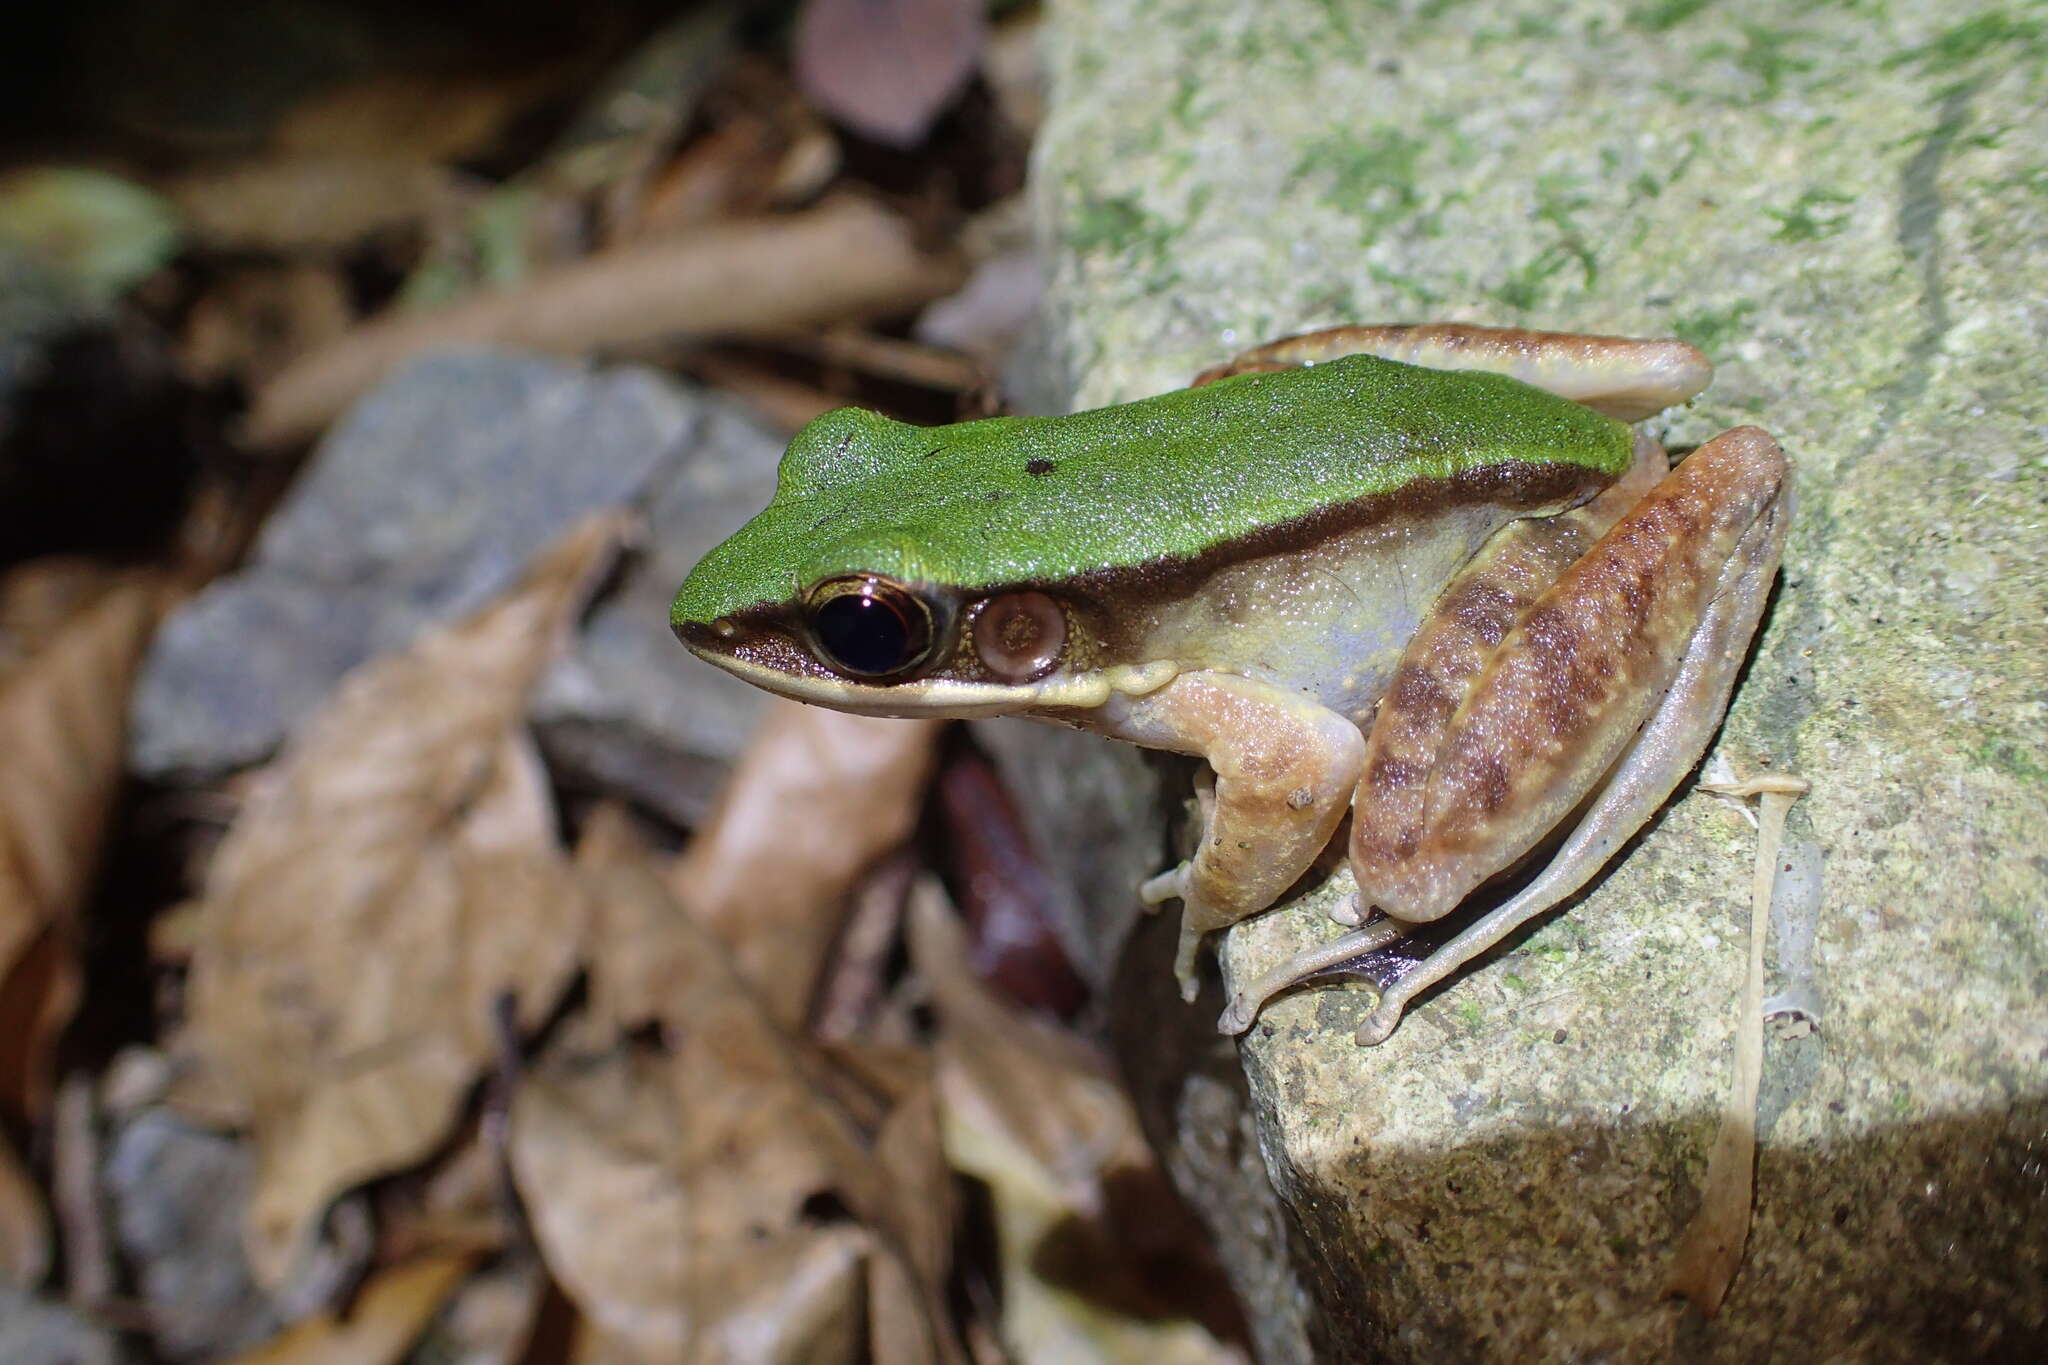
1195,922
1247,1001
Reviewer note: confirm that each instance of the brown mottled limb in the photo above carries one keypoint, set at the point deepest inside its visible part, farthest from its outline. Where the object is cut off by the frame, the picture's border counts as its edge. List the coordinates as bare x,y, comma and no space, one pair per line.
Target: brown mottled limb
1285,767
1445,662
1657,619
1569,687
1624,377
1671,741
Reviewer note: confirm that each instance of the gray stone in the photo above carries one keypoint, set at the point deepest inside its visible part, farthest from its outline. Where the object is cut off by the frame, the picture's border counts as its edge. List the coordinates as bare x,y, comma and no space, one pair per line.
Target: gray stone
427,500
35,1331
630,708
177,1197
1843,205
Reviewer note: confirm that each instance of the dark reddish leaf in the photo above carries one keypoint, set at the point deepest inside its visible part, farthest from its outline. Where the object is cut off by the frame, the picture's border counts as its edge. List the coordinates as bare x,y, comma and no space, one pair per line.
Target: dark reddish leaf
886,68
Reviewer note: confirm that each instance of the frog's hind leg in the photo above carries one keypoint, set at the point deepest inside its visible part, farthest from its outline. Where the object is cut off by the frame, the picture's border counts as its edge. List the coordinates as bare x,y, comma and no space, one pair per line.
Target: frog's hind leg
1614,679
1624,377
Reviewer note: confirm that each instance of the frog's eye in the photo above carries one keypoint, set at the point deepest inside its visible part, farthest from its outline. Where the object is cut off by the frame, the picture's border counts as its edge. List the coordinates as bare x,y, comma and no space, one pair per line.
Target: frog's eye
869,627
1019,636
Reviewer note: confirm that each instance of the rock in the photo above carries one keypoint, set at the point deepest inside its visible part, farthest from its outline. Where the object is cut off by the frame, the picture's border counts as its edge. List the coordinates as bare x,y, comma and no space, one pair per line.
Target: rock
1843,208
177,1197
425,502
36,1332
631,709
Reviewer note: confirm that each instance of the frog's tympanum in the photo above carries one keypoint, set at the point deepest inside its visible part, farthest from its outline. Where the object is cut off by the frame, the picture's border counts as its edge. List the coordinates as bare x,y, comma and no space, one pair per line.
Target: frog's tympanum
1428,574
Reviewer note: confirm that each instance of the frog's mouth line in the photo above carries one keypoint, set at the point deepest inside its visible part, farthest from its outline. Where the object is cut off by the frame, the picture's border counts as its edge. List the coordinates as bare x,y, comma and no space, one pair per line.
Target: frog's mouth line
758,653
789,672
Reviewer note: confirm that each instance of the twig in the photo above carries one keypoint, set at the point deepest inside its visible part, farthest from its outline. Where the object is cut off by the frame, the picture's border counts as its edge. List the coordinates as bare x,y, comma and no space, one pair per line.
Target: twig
845,258
1711,1251
75,1188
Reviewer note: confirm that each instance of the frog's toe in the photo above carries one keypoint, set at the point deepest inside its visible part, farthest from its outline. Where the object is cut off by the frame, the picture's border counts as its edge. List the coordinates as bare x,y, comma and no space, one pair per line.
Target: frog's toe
1237,1016
1184,958
1169,885
1380,1024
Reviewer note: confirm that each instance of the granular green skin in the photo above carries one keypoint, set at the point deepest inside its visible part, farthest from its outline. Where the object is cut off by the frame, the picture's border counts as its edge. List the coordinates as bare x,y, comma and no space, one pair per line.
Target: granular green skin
1046,499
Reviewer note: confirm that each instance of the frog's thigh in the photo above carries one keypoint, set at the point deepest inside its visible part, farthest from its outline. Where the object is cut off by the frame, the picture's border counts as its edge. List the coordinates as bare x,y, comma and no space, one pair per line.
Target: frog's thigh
1625,665
1624,377
1285,767
1655,620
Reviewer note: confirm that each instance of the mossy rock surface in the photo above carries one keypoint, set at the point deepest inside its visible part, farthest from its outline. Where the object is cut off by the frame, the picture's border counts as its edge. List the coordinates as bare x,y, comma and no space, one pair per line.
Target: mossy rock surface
1846,205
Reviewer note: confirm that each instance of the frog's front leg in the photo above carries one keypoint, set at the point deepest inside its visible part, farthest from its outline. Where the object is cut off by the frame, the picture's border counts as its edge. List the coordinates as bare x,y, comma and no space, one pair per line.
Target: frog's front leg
1608,686
1285,769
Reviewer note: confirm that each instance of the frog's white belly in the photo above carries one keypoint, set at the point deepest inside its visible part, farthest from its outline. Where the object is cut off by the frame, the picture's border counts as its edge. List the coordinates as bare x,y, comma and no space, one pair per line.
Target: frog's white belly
1331,622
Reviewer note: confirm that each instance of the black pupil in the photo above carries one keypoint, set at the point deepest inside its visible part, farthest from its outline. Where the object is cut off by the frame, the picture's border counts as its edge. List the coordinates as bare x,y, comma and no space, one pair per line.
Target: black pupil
864,634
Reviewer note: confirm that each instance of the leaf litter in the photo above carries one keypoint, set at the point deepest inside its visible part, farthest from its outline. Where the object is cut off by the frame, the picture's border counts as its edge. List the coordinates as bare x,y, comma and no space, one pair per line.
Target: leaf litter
505,1102
388,879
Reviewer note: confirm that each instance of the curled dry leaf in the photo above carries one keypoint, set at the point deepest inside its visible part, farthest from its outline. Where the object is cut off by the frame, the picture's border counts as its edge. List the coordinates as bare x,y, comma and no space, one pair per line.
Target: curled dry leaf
887,67
63,724
845,258
1039,1120
816,798
1014,1080
380,1326
669,1193
392,876
674,1259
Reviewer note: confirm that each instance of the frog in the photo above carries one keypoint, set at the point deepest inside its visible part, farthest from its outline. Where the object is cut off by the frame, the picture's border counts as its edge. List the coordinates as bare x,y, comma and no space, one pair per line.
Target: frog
1437,577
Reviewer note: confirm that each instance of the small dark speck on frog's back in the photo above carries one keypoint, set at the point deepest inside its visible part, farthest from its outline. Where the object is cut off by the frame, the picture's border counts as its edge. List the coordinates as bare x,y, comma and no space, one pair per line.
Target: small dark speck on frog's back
1039,467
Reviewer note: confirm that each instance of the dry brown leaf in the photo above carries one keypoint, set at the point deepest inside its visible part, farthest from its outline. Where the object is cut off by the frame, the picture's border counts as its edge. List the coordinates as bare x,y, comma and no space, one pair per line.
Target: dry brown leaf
672,1228
1039,1120
43,597
845,258
668,1194
792,1300
785,404
24,1224
63,725
641,942
1020,1082
457,1204
287,204
393,875
589,1145
718,175
260,318
380,1326
887,67
493,1318
816,797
